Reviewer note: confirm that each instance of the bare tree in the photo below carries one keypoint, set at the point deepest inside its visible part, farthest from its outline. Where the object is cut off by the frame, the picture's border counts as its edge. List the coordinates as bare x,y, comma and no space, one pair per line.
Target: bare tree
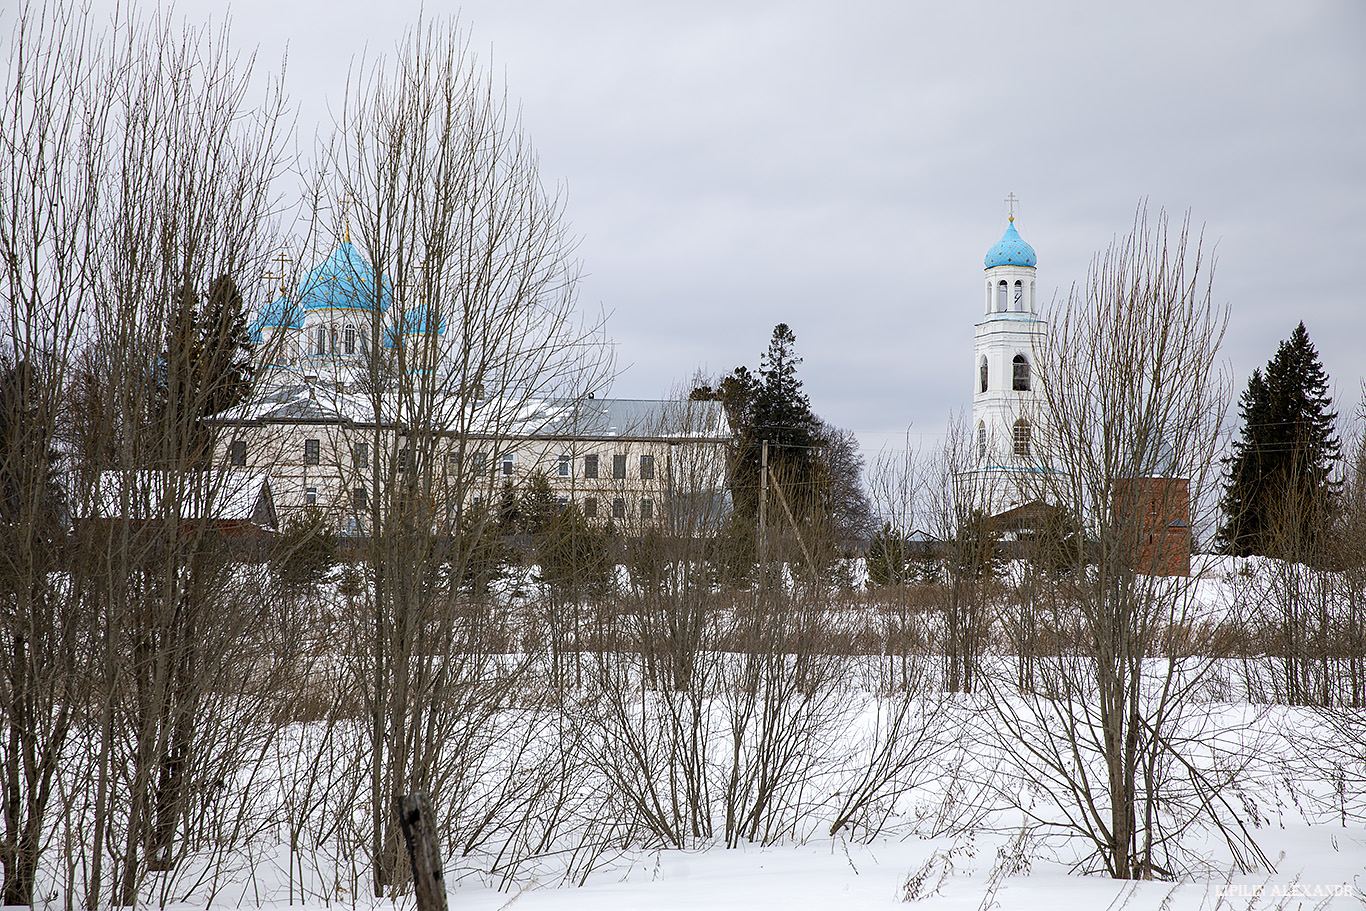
51,134
471,323
960,504
1134,400
186,207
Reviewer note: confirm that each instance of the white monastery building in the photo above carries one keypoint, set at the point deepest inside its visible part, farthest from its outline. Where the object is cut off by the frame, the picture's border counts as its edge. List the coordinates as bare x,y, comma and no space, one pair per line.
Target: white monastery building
331,436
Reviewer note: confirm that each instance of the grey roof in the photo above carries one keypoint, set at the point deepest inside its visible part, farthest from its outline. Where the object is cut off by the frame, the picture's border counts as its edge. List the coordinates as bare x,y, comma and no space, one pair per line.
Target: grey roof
224,496
298,399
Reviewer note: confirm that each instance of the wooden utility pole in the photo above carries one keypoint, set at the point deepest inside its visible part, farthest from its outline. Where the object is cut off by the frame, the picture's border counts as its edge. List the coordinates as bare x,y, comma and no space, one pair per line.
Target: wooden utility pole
419,831
792,520
763,512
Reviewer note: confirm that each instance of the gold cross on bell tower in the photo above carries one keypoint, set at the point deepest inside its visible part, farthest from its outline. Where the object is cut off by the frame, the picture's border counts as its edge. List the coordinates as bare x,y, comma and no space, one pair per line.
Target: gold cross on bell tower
1011,199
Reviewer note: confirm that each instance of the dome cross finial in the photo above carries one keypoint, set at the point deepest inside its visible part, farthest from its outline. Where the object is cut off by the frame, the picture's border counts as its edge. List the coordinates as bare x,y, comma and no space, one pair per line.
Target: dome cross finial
284,262
1011,199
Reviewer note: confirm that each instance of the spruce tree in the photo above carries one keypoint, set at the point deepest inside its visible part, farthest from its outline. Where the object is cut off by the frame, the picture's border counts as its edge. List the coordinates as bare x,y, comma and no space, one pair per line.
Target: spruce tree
1279,491
817,465
772,407
204,369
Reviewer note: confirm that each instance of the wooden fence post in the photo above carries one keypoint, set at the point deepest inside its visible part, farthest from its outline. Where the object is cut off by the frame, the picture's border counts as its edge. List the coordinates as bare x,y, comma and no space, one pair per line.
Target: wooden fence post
419,831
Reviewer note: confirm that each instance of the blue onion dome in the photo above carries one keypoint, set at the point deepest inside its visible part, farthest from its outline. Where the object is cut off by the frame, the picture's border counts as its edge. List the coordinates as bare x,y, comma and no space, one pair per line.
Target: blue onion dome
343,281
278,314
1011,250
420,320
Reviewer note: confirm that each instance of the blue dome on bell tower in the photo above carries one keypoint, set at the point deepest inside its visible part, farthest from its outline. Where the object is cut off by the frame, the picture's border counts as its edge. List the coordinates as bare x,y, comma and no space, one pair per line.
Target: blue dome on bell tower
1011,250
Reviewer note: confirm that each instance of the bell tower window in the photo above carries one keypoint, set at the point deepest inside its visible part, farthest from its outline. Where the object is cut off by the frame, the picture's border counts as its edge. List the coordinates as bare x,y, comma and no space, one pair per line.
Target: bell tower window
982,379
1020,437
1020,374
981,441
1019,295
1001,297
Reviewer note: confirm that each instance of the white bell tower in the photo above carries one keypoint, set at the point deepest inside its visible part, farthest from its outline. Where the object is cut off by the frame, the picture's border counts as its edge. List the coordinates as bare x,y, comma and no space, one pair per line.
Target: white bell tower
1006,396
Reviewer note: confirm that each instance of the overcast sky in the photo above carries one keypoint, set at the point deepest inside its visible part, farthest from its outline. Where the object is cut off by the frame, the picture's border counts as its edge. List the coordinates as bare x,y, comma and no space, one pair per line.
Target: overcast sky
842,167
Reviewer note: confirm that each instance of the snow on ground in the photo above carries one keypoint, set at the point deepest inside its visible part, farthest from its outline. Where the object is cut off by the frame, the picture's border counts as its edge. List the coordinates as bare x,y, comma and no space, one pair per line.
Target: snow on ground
1320,866
1314,836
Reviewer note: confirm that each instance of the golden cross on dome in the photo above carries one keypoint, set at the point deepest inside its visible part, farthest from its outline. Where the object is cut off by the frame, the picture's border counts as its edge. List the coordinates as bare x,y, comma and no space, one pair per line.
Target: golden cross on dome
346,202
1010,201
284,262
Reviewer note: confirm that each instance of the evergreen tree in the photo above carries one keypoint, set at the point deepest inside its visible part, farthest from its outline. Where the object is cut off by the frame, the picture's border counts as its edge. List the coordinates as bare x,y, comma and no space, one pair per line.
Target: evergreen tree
225,347
773,407
576,556
889,559
817,465
1279,492
205,369
30,496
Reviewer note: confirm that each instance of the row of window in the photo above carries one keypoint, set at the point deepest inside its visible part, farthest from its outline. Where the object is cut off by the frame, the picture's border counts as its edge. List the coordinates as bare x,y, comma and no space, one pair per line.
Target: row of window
1004,298
1019,378
1019,437
590,466
237,457
589,505
325,340
359,500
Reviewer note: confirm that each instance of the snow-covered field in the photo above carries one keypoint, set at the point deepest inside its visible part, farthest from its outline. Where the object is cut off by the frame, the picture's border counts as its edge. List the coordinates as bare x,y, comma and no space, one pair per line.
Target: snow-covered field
1322,867
958,809
1318,866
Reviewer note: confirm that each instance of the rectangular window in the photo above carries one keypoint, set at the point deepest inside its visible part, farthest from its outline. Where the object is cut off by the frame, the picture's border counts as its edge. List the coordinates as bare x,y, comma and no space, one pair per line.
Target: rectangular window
237,453
313,450
618,508
564,466
561,504
478,502
358,498
310,496
619,466
360,455
508,464
590,466
647,467
647,508
590,507
453,459
334,339
481,463
350,339
322,341
403,459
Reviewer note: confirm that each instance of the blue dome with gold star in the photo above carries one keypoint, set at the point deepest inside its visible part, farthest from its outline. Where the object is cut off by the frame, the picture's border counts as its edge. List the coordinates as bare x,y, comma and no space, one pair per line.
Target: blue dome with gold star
1011,250
343,281
278,314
